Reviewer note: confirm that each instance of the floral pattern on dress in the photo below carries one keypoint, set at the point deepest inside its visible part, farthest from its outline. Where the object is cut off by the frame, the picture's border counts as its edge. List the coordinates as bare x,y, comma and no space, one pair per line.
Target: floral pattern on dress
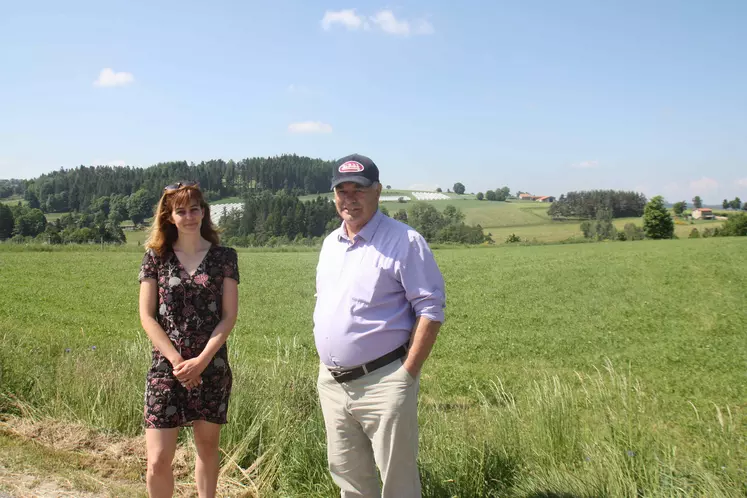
189,308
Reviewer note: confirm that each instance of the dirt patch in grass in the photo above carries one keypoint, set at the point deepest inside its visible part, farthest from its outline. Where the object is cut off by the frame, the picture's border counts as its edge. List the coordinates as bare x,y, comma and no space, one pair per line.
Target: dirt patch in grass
51,458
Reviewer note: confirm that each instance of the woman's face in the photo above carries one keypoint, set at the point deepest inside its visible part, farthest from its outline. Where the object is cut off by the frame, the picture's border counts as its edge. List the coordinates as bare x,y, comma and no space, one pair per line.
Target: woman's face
188,217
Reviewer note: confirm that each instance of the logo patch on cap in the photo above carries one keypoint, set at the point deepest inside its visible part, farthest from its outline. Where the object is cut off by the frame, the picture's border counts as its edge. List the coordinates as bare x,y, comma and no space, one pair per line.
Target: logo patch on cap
351,167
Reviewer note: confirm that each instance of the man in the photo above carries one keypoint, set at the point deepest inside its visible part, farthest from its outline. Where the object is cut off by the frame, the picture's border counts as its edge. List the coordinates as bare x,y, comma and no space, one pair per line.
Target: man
380,302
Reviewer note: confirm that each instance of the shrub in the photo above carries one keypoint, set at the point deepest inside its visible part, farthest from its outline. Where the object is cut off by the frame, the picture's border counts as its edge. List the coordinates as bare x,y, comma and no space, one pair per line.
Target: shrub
657,222
633,232
601,228
735,226
401,215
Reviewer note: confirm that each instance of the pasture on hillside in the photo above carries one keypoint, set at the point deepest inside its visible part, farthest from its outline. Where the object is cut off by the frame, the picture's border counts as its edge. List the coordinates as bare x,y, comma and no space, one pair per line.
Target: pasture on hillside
570,370
557,231
526,219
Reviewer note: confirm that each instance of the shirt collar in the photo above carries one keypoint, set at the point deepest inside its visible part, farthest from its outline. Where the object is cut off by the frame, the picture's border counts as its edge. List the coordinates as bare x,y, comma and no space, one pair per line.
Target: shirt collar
368,230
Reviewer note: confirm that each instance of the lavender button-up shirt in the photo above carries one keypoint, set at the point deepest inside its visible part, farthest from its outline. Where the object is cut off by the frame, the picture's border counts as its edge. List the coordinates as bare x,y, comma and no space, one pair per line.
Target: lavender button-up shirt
371,289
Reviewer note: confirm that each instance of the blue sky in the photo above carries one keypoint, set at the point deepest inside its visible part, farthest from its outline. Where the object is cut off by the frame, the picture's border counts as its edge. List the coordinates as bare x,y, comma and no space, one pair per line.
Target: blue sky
542,96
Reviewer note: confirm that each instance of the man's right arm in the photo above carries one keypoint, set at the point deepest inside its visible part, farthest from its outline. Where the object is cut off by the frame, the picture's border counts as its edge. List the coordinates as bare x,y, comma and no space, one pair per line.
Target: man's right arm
424,289
421,343
422,280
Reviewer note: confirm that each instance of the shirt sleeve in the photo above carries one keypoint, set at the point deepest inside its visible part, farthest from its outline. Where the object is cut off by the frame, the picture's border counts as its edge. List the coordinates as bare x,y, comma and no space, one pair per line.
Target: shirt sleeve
148,268
231,264
422,280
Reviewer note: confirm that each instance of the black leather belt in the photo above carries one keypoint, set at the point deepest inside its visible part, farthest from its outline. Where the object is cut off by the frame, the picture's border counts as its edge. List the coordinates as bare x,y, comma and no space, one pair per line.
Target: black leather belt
357,372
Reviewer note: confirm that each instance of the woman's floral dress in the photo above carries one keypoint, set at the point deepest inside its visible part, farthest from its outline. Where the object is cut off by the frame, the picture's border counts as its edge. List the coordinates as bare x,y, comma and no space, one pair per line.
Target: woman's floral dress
189,308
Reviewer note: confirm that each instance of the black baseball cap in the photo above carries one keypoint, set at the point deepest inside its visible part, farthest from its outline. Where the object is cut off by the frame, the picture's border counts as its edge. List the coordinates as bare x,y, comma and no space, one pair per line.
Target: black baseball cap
355,168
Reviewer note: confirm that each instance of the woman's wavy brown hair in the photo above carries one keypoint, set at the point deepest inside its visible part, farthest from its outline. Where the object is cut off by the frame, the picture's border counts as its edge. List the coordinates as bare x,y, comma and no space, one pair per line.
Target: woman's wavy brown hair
163,233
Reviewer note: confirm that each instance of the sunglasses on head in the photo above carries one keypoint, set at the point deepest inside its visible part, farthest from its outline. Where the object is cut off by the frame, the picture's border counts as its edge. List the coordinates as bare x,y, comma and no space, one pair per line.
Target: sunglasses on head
177,186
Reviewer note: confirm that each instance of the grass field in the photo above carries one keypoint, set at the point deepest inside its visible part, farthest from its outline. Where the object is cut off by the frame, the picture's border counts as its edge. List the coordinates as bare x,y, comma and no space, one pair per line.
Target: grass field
53,216
557,231
136,237
590,370
228,200
12,201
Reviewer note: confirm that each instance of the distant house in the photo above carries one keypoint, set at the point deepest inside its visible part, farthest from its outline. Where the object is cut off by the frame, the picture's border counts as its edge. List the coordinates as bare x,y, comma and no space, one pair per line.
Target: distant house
538,198
703,214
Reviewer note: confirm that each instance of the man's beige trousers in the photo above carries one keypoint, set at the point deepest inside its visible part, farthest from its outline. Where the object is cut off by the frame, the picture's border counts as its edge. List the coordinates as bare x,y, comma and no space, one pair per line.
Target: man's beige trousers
372,422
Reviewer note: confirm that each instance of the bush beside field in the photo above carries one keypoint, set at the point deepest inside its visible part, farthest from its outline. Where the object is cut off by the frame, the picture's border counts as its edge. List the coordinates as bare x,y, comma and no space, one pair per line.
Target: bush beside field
590,370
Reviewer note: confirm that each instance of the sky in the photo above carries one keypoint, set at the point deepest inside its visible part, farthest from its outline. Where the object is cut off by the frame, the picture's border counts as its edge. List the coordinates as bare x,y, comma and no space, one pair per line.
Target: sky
540,96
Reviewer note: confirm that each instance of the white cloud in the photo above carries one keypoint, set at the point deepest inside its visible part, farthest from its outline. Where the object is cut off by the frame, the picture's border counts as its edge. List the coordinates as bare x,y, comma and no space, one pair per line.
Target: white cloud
704,185
384,20
346,17
585,165
310,127
108,77
388,23
742,182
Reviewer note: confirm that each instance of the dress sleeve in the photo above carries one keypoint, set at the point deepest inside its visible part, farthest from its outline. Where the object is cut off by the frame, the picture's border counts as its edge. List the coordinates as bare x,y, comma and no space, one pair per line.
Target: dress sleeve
231,264
148,268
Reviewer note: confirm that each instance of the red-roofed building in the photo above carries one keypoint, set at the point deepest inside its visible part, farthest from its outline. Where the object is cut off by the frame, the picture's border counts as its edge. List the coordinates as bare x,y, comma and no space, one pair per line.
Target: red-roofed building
538,198
703,214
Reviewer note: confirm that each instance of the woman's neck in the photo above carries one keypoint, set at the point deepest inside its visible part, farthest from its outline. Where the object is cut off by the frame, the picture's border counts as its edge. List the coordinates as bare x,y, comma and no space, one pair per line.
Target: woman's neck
190,243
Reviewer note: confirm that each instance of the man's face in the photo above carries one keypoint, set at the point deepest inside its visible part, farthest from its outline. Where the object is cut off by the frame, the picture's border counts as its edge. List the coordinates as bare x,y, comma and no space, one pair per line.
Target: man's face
355,203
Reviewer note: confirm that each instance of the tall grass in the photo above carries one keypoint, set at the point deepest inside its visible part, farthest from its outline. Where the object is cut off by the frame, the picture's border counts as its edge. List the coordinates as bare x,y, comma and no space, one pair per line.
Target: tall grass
597,435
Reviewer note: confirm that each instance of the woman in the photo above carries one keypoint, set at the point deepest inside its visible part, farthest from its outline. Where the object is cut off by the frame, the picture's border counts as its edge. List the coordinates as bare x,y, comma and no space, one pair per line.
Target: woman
188,306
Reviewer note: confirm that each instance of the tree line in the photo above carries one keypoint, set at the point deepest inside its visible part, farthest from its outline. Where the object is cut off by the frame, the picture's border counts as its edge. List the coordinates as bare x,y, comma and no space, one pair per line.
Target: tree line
11,187
23,223
499,194
278,219
447,226
658,223
735,203
281,219
75,189
588,204
100,198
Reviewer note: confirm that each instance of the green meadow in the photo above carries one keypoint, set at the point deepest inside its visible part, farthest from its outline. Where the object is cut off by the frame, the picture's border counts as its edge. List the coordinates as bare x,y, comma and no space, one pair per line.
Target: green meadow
583,370
526,219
